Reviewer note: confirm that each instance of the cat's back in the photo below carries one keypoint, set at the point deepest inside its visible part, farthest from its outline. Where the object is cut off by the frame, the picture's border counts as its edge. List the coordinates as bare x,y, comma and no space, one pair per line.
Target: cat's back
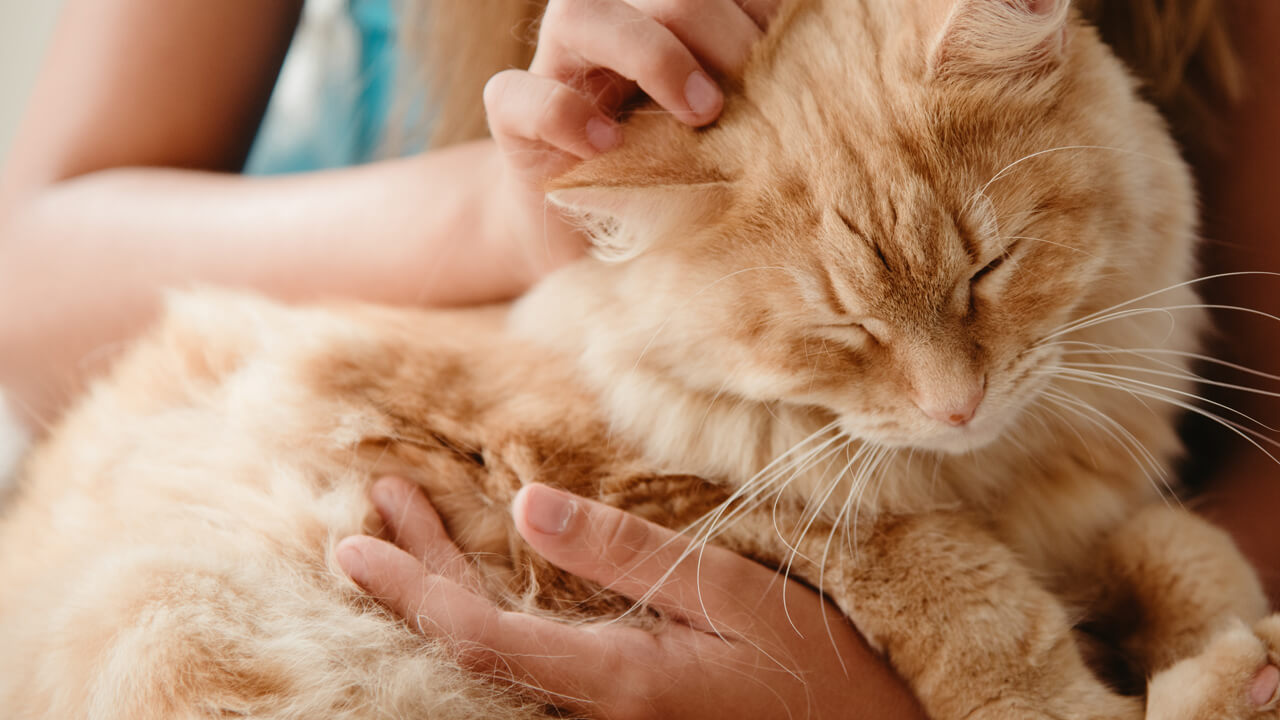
168,553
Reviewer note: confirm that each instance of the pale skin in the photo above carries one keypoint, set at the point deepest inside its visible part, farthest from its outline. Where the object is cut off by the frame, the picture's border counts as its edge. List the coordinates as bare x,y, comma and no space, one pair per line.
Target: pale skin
733,649
93,198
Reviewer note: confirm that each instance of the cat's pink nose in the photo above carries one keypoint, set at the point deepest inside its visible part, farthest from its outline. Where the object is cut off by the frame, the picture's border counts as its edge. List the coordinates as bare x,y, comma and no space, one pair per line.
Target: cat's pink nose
956,412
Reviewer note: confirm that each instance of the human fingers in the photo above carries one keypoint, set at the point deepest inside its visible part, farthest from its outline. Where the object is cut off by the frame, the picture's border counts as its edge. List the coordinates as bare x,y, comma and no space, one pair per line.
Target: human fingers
761,11
415,526
719,32
526,110
578,35
593,669
708,587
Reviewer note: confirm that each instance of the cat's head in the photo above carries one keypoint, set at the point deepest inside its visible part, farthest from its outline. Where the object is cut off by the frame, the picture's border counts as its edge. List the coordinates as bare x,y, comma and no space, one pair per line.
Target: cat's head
900,203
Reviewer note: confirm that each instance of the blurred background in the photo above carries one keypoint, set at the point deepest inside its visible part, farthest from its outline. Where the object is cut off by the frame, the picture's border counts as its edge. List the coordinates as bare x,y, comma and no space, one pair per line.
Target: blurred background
25,28
324,112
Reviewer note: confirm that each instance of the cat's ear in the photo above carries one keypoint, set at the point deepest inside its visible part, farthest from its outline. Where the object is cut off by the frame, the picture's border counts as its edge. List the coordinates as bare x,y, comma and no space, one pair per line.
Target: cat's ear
994,37
623,220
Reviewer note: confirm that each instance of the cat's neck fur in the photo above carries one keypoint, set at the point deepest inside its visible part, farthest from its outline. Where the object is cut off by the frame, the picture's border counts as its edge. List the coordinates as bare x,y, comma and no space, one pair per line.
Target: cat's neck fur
583,312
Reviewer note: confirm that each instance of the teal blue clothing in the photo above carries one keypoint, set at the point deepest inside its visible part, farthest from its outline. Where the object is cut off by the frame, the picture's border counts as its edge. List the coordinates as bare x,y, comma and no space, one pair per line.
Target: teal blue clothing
342,121
377,70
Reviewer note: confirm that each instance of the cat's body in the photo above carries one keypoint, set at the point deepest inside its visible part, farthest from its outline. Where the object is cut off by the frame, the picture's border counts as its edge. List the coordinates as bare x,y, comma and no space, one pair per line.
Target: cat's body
871,292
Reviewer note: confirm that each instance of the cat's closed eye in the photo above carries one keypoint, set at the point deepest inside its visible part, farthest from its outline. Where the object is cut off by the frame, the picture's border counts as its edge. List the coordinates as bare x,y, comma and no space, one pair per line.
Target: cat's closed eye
852,329
992,266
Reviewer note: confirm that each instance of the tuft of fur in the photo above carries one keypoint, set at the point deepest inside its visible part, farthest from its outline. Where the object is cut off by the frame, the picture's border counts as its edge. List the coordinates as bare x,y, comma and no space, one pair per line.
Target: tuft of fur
905,208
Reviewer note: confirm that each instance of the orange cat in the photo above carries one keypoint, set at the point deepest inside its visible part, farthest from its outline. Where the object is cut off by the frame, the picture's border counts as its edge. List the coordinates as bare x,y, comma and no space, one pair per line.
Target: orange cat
908,304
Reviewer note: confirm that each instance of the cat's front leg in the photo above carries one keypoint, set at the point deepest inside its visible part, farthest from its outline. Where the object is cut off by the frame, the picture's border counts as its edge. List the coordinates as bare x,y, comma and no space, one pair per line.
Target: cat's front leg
959,618
1170,581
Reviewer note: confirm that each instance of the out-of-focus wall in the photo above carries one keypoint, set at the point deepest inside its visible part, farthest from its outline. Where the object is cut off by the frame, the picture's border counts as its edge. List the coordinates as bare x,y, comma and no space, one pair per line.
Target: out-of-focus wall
25,27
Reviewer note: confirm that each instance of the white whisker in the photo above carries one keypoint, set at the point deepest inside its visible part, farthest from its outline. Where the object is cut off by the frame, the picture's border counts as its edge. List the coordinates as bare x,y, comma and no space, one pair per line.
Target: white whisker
1253,437
1169,288
1005,170
1077,373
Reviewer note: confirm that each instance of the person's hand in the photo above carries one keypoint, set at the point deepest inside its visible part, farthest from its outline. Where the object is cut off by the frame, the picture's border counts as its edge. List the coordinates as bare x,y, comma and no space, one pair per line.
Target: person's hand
732,650
593,56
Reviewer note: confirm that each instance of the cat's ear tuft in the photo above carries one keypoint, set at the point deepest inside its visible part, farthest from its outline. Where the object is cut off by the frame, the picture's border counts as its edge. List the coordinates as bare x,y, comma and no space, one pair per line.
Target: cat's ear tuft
625,220
995,37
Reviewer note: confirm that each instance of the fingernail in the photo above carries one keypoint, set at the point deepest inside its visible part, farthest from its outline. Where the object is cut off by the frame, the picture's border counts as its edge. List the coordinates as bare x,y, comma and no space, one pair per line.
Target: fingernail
602,134
548,511
701,93
352,561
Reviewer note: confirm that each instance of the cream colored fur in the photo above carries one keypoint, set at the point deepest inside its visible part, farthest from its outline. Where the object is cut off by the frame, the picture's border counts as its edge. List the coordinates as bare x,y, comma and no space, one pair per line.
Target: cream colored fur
904,205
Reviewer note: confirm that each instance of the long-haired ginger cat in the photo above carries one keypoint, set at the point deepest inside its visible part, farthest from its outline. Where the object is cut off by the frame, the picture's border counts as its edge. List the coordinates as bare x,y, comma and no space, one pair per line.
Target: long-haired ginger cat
909,308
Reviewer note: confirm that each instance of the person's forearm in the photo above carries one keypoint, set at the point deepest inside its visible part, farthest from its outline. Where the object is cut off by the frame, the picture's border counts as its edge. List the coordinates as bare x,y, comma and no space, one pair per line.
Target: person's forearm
83,263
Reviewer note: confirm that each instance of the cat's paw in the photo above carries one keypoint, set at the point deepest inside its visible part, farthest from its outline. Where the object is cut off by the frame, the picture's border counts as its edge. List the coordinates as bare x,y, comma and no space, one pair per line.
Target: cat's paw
1237,677
1094,704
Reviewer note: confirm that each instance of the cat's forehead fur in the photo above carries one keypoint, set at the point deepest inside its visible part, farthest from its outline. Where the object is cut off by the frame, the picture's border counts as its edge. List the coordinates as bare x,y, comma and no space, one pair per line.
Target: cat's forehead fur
849,112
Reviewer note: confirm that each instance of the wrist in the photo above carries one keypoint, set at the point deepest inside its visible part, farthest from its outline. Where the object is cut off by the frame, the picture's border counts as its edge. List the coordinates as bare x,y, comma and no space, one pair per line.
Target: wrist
506,232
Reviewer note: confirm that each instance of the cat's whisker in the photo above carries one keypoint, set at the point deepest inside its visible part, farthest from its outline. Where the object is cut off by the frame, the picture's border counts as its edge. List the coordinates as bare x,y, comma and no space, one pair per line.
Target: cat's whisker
1013,439
1118,315
762,482
875,498
1071,372
1138,452
719,391
750,674
1148,354
1069,425
509,677
784,571
858,504
1253,437
745,497
813,510
1184,375
1047,242
1061,148
857,487
851,500
1169,288
1163,488
778,531
792,474
1151,391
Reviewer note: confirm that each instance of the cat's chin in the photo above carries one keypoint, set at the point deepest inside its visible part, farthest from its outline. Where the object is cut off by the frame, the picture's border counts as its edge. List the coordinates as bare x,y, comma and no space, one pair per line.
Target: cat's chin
962,440
951,441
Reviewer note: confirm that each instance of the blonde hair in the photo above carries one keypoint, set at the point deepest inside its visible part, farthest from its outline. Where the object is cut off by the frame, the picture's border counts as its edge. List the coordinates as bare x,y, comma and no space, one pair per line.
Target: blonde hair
1181,49
450,49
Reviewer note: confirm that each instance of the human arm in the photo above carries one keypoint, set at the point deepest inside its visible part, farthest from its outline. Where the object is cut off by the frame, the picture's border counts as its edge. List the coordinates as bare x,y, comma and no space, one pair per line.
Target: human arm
770,659
118,187
83,263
